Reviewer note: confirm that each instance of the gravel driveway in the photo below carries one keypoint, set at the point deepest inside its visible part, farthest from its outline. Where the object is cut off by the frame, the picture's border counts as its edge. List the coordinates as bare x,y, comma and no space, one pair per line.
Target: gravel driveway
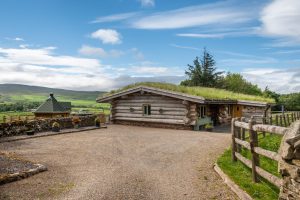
122,162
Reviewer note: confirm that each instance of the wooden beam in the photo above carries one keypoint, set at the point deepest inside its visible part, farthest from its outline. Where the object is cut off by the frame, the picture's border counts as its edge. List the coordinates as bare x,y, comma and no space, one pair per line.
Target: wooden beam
270,129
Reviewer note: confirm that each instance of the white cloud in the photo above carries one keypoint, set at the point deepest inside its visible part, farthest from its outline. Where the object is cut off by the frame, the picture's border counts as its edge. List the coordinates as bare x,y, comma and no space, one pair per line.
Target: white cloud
226,12
147,3
18,39
184,47
202,35
281,19
107,36
280,80
44,56
99,52
116,17
150,70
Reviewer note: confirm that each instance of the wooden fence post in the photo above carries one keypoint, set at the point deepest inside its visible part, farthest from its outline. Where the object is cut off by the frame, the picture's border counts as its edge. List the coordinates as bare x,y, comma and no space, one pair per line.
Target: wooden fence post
284,120
243,131
233,148
253,144
288,119
280,120
239,136
276,120
293,117
271,120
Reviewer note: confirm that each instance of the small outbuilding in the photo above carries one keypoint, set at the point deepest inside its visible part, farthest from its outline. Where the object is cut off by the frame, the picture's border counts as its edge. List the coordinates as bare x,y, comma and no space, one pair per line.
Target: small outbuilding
51,108
153,106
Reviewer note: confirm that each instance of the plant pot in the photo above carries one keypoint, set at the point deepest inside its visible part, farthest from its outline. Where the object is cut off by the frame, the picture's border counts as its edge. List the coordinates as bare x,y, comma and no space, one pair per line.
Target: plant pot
30,132
55,129
98,124
76,126
209,129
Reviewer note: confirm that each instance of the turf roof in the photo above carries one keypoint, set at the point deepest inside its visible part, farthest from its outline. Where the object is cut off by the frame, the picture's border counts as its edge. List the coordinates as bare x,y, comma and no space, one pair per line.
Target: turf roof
207,93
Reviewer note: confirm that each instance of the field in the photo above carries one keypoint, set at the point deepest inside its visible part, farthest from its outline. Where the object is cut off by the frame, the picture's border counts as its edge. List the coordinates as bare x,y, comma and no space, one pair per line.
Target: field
241,174
30,97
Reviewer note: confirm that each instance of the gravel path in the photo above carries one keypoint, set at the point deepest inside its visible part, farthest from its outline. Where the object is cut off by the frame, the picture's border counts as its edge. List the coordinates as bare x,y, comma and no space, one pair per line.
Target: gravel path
122,162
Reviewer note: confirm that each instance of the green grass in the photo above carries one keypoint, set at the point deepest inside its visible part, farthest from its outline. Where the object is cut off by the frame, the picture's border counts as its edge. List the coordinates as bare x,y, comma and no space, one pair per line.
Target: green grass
241,174
209,93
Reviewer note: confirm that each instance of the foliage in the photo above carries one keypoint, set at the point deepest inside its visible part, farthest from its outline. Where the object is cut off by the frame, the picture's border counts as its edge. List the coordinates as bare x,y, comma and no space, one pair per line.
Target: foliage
208,126
55,125
76,120
290,101
202,72
241,174
209,93
237,83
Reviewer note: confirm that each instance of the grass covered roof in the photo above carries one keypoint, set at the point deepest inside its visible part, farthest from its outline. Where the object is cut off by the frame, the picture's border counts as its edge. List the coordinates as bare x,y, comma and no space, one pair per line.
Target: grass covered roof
207,93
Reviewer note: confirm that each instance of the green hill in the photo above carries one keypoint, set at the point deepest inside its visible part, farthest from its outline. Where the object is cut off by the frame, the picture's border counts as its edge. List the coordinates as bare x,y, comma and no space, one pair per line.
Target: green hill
13,93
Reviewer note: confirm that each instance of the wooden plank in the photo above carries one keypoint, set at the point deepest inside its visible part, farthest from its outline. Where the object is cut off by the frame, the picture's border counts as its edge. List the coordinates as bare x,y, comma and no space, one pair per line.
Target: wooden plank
241,124
165,121
266,175
270,129
162,105
270,154
269,177
152,108
243,143
244,160
154,112
132,115
150,101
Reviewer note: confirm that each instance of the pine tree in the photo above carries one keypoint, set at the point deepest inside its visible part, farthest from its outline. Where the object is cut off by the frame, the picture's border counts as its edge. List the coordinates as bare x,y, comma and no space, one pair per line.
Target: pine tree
203,72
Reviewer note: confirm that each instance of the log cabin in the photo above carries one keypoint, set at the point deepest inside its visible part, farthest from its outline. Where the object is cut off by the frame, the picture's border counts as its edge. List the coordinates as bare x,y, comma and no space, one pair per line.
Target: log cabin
51,108
155,107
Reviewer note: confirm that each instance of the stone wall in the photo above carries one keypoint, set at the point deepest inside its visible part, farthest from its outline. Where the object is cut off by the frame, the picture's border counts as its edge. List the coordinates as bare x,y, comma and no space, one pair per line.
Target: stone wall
42,125
289,166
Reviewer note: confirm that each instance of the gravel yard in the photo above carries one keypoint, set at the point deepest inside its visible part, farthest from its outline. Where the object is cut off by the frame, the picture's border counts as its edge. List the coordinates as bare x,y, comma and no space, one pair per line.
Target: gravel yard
122,162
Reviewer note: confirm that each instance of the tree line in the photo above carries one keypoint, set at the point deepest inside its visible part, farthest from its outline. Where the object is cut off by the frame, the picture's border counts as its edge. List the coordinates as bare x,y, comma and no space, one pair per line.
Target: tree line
203,72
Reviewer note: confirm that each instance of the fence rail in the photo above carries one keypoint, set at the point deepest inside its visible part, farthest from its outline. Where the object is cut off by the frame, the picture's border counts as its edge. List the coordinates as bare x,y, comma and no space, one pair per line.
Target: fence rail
238,129
282,119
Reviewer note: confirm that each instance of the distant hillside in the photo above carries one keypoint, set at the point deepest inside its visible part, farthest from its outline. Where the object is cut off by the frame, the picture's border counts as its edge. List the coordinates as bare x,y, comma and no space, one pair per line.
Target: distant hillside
10,93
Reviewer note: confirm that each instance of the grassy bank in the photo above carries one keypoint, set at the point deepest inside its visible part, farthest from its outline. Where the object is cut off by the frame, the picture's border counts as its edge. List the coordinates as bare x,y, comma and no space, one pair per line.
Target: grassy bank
241,174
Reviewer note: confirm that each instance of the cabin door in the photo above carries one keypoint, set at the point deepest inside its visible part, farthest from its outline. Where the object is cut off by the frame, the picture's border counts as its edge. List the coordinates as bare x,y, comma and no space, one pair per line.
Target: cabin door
237,110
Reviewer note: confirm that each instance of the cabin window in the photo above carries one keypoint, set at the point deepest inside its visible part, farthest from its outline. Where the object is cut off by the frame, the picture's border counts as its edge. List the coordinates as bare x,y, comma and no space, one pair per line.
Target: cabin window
202,111
147,109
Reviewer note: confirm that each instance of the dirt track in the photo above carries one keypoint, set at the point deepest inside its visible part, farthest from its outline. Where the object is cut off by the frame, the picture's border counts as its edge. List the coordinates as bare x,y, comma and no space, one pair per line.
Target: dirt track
122,162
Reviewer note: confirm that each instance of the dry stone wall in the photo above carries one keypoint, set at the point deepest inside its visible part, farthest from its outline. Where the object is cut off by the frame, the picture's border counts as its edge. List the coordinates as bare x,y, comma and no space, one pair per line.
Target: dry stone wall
289,166
42,125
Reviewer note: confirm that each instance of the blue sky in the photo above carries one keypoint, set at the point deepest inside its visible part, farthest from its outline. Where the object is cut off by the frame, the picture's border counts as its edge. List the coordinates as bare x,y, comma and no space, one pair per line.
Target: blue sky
102,45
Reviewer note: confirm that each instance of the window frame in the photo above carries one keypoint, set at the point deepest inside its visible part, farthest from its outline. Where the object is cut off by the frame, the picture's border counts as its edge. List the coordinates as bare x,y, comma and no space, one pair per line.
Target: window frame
146,109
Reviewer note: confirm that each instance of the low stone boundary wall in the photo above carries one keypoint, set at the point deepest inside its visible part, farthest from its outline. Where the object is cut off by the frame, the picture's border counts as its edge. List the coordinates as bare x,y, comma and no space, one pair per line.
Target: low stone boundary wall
42,125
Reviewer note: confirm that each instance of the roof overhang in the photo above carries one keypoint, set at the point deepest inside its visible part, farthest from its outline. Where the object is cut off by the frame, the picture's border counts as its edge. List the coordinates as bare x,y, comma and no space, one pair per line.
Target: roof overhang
252,103
162,92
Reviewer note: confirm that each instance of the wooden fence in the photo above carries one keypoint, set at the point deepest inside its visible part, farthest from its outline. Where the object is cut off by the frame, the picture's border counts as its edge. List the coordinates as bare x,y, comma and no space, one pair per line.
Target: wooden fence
282,119
239,128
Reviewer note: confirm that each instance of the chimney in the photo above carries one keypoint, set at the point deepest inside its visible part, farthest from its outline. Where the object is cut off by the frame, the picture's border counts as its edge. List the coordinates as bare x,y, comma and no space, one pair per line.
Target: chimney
51,95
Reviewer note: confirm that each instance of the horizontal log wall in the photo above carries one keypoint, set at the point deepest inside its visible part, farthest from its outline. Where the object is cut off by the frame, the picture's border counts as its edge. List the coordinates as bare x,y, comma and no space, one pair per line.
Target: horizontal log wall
164,110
